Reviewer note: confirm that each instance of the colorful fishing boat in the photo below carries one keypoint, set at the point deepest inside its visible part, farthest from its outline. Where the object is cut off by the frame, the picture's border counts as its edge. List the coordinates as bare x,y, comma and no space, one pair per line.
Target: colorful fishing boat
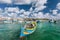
28,30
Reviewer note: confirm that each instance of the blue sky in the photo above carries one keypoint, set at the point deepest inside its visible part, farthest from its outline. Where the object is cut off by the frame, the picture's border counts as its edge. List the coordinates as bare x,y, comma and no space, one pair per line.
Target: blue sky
51,4
26,7
47,7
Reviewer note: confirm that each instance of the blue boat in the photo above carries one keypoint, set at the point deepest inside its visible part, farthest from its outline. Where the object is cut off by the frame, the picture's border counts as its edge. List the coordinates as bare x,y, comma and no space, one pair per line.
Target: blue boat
27,31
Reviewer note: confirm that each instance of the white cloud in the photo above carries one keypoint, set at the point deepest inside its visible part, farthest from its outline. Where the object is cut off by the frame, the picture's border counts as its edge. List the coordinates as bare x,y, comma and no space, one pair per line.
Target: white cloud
55,15
22,11
38,15
39,8
58,9
42,15
47,15
6,1
35,15
55,12
12,14
22,16
58,6
12,9
58,16
1,10
20,2
41,2
40,5
26,13
31,9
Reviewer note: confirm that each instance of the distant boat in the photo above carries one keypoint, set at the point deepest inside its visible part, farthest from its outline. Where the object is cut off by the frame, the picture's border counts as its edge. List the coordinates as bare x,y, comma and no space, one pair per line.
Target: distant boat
38,21
52,21
20,21
7,21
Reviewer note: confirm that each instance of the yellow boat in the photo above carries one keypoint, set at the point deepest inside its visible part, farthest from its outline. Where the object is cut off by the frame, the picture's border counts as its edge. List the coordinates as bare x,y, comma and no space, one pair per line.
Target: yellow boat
28,31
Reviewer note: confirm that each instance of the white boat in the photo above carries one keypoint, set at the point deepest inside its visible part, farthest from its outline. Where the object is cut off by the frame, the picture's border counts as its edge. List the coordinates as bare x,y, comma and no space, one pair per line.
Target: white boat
7,21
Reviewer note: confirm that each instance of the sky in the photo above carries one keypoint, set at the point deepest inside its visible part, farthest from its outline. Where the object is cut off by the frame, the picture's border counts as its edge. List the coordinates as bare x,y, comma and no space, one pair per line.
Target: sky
30,8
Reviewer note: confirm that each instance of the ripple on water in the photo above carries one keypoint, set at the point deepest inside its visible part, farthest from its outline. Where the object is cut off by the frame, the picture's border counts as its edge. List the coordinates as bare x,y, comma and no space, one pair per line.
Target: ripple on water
9,31
46,31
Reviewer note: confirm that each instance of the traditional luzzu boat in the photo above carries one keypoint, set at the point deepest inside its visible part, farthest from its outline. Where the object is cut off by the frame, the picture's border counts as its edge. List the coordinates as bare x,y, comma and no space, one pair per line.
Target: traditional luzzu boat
28,29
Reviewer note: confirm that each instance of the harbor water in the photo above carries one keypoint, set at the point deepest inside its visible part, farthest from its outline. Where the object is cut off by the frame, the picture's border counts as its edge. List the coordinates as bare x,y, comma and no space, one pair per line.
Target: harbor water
9,31
44,31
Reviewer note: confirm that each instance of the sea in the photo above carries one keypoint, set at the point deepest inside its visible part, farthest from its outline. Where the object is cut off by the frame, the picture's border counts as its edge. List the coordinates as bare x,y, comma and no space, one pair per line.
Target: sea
44,31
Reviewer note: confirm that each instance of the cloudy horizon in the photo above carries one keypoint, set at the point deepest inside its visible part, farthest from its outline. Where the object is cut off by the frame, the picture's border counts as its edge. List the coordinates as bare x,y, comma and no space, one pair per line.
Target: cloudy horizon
30,8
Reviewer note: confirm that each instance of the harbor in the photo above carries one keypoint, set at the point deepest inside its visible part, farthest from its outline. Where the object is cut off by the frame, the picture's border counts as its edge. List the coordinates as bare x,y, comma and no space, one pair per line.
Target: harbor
44,31
29,19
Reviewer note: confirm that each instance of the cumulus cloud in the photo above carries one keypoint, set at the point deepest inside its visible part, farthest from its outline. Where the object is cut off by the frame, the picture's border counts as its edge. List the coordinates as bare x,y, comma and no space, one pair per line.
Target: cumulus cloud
39,2
39,5
12,9
22,11
38,15
16,1
42,15
6,1
58,6
31,9
34,15
47,15
25,14
1,10
28,1
12,14
55,15
20,2
39,8
55,12
22,16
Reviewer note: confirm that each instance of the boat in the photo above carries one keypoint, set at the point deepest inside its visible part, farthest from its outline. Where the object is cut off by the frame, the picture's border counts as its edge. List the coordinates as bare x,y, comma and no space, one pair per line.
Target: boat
52,21
27,31
7,21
